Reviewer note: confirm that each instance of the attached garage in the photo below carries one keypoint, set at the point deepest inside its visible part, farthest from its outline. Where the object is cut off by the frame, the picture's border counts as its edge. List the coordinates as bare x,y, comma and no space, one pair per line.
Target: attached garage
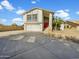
34,27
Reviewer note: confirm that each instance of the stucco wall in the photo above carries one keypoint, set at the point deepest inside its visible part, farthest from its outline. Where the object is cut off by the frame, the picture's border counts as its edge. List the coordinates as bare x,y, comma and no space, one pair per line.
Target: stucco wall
24,20
39,26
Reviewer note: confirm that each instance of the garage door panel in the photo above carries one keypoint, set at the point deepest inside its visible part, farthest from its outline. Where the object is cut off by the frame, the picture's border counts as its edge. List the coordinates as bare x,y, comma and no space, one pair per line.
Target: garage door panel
34,28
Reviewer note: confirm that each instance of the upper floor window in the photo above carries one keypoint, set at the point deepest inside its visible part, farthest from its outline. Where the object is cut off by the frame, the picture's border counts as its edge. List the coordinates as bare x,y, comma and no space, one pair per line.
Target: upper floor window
32,17
28,17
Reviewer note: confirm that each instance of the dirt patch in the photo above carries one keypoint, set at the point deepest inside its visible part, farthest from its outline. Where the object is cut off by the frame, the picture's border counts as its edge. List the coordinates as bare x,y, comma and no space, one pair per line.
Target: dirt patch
70,35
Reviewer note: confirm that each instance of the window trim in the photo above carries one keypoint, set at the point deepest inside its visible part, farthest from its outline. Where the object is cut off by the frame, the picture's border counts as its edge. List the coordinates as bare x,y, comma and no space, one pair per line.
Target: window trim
31,19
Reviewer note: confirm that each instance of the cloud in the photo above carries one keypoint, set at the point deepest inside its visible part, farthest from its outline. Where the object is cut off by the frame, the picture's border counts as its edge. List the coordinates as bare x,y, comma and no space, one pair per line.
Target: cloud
18,21
20,11
34,2
67,18
1,7
77,12
67,10
7,5
62,14
2,21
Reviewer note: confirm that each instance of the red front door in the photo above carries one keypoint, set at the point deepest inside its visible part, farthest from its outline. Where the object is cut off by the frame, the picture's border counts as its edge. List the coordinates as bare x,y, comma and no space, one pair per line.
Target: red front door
46,24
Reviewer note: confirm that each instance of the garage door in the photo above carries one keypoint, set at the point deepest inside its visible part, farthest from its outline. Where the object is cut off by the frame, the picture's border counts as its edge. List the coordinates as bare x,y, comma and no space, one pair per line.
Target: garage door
34,27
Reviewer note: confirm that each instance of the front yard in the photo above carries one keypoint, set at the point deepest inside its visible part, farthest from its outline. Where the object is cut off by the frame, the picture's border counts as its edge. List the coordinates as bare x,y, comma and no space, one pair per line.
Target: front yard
68,33
72,35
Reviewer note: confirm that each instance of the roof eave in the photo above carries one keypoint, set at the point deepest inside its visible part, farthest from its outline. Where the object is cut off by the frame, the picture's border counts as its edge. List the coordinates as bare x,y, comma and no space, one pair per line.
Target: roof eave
37,8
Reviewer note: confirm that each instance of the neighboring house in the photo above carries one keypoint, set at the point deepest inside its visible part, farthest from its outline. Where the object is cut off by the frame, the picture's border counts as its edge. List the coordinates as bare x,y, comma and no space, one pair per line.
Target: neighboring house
76,21
69,24
37,19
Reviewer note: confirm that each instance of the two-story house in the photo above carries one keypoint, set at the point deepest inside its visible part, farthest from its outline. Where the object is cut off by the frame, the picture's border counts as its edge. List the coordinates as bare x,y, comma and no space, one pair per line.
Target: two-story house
37,19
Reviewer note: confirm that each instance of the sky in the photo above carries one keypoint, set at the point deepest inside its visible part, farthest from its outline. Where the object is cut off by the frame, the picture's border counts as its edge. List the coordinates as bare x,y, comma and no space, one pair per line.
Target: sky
11,10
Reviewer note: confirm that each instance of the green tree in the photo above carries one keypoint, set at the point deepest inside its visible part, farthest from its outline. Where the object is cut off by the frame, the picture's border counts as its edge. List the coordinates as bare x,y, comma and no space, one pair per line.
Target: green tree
57,22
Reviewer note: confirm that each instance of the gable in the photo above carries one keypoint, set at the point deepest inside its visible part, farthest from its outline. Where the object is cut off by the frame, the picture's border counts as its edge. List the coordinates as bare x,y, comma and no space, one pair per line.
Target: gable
34,9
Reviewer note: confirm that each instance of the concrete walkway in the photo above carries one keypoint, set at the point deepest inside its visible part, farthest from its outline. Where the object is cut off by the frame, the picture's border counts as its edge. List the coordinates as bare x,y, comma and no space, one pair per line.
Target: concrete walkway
36,46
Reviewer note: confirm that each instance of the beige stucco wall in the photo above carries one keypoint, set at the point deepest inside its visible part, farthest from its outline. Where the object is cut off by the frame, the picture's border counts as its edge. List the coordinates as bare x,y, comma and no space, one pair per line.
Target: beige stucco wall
77,28
39,18
24,20
39,12
29,26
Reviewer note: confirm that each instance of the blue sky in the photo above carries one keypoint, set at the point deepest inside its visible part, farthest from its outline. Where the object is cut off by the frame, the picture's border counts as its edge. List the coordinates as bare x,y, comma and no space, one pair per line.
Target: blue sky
10,10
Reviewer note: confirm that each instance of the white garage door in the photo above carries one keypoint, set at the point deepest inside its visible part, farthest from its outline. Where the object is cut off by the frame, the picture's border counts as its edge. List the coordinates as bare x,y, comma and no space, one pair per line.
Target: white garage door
34,27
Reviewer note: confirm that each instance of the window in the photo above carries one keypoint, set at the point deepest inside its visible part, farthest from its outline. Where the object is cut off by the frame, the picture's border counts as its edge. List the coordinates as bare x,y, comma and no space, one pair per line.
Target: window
28,17
32,17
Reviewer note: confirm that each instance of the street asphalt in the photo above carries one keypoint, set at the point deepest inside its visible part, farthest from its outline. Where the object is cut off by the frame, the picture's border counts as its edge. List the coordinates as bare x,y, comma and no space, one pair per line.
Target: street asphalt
36,46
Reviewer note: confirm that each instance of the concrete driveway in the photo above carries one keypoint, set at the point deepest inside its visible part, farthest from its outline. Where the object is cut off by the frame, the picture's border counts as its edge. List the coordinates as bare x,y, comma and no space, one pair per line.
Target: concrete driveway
36,46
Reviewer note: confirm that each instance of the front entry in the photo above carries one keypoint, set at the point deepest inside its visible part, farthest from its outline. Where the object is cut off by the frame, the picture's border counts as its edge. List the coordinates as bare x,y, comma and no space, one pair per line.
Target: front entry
46,22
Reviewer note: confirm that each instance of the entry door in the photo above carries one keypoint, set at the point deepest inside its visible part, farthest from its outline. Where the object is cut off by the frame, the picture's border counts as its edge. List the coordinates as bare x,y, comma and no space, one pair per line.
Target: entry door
46,22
